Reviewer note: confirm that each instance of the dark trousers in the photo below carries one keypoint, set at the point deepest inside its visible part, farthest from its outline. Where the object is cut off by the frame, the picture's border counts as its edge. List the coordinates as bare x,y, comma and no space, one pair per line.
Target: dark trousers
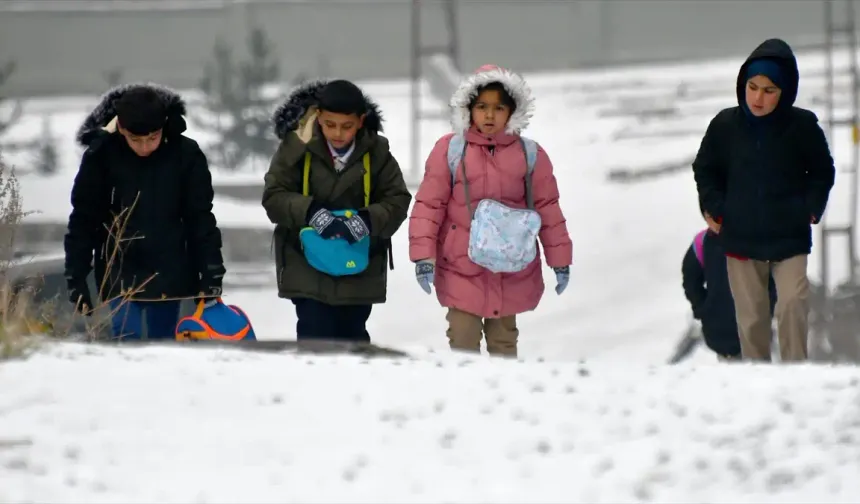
128,319
327,322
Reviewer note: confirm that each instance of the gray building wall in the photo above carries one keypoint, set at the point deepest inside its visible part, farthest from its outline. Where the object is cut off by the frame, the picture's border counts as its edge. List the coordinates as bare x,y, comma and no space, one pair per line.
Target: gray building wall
67,50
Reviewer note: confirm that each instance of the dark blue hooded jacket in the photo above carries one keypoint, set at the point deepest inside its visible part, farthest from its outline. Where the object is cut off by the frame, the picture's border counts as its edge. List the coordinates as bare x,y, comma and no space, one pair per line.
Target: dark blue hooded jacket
765,178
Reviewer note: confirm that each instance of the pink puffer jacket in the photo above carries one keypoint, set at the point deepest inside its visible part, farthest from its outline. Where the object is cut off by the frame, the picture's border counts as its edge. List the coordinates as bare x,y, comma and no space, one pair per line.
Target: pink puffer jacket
440,221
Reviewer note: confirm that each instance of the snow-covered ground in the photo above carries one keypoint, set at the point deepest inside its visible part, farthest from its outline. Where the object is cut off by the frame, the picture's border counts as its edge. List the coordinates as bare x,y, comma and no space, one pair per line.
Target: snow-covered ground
178,425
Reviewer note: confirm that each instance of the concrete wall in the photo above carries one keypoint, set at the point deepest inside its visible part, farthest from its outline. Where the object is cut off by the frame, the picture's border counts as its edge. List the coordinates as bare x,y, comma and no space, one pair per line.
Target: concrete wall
69,51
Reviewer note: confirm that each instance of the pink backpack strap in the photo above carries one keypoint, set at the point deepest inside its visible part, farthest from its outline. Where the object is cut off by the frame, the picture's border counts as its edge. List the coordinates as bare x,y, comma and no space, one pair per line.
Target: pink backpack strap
699,246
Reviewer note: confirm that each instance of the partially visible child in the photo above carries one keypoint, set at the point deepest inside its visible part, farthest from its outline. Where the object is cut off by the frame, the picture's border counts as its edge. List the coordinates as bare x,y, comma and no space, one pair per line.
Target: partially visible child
706,287
490,109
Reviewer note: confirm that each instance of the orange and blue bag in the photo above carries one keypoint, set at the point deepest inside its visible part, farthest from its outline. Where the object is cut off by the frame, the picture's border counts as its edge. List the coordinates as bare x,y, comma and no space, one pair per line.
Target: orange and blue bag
214,320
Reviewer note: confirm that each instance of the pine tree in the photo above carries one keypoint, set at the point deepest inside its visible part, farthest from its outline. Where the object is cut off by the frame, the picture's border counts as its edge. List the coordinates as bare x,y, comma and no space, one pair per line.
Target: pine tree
222,104
260,71
48,159
236,100
10,119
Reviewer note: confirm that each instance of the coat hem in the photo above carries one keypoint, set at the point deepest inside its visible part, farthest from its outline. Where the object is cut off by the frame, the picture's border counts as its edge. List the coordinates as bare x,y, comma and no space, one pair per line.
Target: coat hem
776,254
340,301
484,315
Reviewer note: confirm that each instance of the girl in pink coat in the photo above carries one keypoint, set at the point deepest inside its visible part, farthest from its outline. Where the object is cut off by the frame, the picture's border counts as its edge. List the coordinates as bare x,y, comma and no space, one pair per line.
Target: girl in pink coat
489,109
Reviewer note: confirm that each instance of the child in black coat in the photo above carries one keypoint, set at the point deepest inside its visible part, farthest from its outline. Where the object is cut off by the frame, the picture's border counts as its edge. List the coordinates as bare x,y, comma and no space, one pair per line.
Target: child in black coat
706,287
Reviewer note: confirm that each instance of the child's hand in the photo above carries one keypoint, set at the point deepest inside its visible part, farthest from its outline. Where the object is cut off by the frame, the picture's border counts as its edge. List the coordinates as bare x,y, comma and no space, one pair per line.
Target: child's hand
79,295
358,228
712,224
562,277
321,219
425,271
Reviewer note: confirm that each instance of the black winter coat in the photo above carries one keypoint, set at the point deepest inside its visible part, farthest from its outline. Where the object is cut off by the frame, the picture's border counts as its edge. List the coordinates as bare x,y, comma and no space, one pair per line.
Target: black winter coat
707,289
766,179
171,245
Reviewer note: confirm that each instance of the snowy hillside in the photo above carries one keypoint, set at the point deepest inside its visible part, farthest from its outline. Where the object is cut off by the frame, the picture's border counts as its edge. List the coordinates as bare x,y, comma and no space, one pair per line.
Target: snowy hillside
100,425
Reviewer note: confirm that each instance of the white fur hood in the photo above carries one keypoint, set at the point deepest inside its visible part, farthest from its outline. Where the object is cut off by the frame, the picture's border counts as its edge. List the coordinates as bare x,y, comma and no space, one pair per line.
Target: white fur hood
514,84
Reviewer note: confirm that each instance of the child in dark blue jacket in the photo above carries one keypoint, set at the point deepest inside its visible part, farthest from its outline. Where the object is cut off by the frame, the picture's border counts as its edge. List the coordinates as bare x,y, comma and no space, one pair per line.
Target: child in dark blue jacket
706,286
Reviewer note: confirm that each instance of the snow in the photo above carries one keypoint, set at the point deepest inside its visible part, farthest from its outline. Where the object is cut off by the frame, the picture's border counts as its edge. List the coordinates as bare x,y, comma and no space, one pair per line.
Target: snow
102,424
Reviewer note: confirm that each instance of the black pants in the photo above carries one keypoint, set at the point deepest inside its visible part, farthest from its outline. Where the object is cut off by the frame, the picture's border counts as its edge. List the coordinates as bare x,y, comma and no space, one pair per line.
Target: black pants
323,321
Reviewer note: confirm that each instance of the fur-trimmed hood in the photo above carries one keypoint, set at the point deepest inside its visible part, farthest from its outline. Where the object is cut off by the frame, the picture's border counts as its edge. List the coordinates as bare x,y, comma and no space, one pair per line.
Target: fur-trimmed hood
515,85
300,109
103,116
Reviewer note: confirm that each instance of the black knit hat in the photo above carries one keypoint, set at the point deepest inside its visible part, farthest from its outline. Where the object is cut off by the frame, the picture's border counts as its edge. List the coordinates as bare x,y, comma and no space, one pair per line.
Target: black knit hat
141,111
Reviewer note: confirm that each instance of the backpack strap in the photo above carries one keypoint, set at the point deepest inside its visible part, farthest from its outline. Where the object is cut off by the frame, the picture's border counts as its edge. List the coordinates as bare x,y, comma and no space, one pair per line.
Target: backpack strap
457,149
699,246
530,148
306,176
456,152
366,161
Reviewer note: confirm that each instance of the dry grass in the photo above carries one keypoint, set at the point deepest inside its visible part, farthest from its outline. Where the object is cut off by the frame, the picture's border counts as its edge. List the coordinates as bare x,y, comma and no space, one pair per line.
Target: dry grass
19,331
15,326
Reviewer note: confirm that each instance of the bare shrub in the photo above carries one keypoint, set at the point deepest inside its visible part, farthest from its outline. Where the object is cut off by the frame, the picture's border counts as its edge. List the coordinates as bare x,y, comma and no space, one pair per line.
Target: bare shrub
15,325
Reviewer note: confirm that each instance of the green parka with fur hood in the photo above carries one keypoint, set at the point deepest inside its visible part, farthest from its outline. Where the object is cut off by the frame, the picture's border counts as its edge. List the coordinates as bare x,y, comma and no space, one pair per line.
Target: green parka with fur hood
296,126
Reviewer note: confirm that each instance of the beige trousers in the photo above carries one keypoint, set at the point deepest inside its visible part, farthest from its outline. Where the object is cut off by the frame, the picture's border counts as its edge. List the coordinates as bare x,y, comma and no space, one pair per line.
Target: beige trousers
466,330
748,282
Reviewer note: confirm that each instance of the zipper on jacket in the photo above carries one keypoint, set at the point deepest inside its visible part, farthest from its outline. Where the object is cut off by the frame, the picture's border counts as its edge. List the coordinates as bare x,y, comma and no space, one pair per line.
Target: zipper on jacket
761,162
760,158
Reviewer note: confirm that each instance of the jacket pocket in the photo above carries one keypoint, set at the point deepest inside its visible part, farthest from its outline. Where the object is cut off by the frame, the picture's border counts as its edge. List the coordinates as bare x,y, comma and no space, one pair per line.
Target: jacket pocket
790,217
730,213
455,252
